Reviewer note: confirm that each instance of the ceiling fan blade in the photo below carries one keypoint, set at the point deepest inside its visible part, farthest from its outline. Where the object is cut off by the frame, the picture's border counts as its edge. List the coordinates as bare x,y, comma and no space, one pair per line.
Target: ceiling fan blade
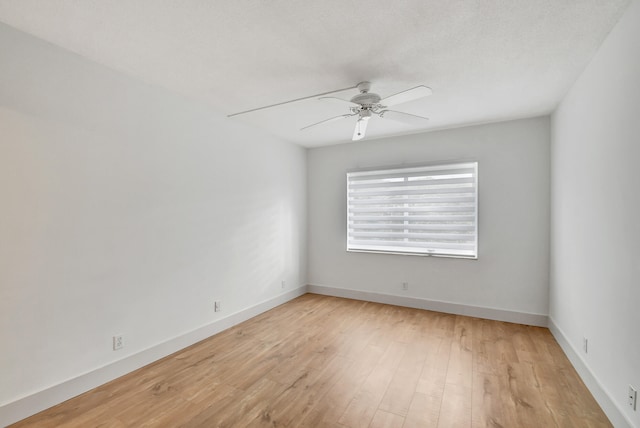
339,101
360,130
290,101
406,96
410,119
332,119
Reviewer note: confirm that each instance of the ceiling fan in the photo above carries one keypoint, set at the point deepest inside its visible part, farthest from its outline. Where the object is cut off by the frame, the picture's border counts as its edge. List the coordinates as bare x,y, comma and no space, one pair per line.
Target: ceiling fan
365,105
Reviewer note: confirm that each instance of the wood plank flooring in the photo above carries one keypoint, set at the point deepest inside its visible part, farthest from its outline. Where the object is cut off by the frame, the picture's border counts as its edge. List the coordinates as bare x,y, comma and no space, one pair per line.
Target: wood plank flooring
321,361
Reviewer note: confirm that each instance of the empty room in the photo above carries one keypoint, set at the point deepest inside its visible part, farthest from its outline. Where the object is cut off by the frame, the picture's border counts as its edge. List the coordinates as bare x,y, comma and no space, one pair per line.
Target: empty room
319,214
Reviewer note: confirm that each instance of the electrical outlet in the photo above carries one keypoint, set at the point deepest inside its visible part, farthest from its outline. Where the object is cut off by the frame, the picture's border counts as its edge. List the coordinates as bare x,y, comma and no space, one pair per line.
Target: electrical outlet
405,286
216,306
585,345
633,397
118,342
284,283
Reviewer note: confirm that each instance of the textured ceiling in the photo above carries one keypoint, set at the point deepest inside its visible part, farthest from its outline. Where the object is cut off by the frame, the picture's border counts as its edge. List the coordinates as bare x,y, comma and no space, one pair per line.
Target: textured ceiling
485,60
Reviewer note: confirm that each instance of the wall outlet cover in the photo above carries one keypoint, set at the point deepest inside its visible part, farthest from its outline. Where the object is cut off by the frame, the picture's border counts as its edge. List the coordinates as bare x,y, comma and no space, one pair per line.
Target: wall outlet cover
118,342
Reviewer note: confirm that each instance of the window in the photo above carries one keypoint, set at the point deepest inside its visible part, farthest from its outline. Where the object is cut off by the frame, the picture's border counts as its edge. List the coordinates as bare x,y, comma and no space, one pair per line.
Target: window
428,210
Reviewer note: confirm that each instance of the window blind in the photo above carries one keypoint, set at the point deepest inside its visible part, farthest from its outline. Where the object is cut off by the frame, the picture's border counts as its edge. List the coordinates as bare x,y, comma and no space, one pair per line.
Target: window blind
429,210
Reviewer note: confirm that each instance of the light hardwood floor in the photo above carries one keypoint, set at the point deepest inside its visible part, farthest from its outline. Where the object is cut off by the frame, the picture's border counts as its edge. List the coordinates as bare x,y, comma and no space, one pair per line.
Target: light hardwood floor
321,361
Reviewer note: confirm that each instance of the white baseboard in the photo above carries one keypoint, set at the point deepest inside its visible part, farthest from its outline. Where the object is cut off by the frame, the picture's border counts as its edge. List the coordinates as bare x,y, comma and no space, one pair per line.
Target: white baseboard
433,305
614,413
34,403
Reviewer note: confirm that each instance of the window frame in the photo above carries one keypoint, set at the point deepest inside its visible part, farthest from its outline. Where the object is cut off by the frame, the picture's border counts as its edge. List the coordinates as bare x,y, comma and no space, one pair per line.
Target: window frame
405,172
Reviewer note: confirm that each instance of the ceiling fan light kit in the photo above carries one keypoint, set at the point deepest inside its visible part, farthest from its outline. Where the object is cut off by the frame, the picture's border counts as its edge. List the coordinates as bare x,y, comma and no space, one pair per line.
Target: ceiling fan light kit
364,105
361,128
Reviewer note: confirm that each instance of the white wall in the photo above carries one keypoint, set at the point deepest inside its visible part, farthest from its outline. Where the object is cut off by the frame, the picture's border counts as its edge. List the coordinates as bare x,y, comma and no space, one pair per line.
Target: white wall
511,272
595,269
128,210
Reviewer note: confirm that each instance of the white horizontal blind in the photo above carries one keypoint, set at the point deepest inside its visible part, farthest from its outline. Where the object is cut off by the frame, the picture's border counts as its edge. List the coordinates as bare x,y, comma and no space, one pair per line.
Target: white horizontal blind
430,210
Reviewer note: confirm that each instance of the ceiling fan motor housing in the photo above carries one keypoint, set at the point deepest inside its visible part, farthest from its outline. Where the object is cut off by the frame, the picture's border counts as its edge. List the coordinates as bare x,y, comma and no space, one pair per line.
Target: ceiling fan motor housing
366,99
